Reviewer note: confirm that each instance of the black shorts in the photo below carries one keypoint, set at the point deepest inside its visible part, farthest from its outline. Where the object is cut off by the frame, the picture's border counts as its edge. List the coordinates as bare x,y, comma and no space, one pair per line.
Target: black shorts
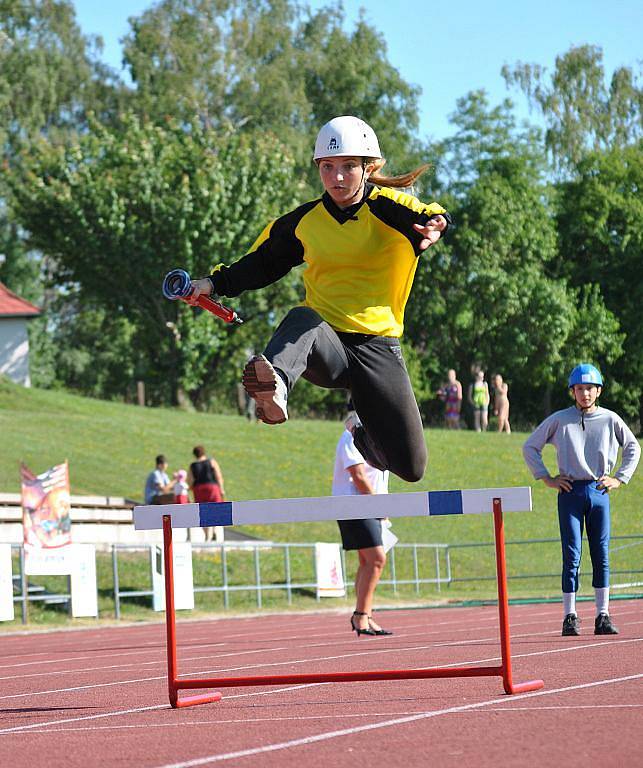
360,534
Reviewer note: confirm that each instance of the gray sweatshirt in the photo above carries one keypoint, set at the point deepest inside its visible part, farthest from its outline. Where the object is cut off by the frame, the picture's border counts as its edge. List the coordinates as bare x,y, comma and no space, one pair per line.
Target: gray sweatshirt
583,454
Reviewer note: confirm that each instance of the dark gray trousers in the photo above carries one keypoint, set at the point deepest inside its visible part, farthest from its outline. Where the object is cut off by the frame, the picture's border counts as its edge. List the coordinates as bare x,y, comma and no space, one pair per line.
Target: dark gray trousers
372,369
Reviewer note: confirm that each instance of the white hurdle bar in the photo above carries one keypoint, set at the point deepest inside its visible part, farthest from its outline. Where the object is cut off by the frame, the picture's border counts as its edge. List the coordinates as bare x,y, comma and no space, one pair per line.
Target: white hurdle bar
268,511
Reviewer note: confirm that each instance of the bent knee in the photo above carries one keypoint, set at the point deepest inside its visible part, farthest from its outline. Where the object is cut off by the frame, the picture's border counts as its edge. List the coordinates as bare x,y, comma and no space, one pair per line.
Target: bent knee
413,471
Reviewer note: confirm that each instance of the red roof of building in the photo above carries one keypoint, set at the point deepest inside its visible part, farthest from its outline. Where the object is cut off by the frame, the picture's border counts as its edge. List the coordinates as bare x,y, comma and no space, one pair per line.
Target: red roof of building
13,306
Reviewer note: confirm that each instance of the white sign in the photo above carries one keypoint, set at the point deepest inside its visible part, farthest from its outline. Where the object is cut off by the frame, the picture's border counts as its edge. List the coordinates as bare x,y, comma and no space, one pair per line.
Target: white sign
328,565
49,561
183,578
389,539
6,584
84,594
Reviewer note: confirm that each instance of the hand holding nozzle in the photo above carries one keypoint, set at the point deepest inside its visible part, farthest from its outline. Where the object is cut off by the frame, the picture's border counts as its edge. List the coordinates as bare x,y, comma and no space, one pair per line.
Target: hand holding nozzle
178,285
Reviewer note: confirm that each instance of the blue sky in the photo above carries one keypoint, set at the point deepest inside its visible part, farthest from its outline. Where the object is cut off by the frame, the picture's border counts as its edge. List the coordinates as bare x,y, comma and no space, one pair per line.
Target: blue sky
450,49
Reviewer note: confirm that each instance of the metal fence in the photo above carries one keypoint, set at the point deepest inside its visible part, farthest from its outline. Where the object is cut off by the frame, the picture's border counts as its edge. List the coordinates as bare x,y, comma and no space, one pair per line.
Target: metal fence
288,584
416,565
31,592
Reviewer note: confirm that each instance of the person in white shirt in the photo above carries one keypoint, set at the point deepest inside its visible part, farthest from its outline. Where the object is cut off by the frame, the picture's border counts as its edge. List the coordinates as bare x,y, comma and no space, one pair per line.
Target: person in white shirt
352,475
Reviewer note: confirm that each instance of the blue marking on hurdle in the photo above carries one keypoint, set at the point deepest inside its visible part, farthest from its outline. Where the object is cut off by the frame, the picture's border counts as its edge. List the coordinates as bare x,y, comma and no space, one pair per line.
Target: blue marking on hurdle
445,503
215,513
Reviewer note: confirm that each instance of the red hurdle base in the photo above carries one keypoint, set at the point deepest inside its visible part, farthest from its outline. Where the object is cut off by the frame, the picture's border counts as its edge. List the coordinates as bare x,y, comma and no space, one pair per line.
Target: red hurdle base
504,670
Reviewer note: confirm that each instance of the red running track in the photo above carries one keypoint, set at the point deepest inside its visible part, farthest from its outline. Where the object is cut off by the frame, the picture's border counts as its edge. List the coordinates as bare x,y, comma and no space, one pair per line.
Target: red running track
99,697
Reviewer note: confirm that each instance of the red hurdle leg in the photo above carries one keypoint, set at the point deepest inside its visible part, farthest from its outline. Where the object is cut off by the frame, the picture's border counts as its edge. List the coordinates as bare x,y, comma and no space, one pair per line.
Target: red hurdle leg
503,608
170,624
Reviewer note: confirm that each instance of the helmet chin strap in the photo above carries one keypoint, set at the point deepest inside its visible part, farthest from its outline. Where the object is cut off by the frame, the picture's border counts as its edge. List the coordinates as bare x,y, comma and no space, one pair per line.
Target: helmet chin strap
583,409
361,181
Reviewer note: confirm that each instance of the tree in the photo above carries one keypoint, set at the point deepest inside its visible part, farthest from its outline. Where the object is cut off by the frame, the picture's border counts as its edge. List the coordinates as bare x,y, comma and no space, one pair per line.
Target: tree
487,297
269,65
51,77
118,207
600,222
581,113
594,136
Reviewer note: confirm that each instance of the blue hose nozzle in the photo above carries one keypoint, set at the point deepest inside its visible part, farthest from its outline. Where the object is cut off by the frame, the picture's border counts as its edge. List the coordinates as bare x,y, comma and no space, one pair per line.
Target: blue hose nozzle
177,284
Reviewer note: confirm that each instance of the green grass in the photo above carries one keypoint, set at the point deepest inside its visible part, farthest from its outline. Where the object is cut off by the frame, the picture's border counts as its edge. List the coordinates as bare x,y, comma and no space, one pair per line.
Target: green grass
111,449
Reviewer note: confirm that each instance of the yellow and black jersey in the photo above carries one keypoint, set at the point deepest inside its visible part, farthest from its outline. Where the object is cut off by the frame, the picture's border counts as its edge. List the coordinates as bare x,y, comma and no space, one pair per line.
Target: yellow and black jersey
359,262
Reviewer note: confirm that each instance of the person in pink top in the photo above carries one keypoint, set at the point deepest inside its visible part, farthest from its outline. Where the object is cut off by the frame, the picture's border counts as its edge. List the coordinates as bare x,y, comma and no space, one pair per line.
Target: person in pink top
451,394
181,487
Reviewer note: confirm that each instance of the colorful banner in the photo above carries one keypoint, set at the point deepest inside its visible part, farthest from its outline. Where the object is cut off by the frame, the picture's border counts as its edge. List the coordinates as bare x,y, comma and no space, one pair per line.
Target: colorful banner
46,520
46,507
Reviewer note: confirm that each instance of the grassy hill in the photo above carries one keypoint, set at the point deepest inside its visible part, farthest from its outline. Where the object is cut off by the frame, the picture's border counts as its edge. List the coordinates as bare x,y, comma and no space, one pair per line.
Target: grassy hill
111,448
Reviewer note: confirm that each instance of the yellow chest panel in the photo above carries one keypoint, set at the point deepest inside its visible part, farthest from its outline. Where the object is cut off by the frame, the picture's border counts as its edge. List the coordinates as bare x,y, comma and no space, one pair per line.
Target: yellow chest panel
358,274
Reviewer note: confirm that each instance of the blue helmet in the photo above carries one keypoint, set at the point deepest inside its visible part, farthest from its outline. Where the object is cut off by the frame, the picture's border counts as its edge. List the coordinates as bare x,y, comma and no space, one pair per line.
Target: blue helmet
585,373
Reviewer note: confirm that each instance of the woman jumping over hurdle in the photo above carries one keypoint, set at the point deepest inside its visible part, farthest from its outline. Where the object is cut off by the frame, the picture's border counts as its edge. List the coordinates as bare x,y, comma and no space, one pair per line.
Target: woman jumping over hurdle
360,243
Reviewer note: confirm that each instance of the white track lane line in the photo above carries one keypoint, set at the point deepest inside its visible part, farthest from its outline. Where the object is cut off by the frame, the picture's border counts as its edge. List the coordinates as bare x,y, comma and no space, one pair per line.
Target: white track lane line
263,651
218,671
119,712
266,633
386,724
342,716
207,624
270,637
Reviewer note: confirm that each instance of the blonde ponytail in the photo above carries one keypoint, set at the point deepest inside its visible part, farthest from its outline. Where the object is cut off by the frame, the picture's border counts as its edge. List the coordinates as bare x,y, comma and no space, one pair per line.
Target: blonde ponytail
397,182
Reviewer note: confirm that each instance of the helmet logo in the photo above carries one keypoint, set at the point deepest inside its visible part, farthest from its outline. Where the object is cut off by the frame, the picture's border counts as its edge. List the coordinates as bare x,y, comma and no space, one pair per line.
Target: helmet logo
332,144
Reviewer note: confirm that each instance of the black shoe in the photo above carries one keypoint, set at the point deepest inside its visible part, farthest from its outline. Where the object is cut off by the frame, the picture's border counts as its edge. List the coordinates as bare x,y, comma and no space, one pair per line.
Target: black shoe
571,625
368,631
379,631
603,625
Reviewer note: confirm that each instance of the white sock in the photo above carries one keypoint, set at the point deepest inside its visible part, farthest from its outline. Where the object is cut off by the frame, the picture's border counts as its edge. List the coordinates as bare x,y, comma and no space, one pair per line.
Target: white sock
569,602
602,596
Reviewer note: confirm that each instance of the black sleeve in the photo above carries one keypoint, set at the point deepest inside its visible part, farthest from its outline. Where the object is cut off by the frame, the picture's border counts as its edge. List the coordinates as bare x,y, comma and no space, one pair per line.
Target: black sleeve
402,218
269,262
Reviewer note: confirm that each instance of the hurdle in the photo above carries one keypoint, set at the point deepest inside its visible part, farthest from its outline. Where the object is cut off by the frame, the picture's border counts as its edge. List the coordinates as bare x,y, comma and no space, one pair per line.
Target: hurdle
493,501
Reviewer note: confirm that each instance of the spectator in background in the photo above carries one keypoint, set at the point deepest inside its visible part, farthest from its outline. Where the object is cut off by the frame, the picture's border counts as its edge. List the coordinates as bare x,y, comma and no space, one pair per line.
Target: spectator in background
353,476
158,483
205,481
451,394
501,403
479,398
587,439
181,487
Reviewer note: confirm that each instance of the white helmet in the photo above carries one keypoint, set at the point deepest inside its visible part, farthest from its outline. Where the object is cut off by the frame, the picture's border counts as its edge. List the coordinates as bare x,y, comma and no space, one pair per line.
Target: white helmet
346,136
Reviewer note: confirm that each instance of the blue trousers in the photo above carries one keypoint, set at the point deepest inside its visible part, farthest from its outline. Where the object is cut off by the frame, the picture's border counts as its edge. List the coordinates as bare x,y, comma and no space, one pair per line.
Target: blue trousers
586,506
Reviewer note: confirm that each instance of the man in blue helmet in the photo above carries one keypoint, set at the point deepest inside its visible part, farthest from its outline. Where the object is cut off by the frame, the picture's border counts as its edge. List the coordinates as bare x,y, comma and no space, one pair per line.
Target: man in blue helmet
586,438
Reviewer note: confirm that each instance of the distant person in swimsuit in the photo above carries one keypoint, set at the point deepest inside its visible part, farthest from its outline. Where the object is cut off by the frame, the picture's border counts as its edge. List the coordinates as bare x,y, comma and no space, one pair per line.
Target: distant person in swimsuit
479,401
501,403
451,394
